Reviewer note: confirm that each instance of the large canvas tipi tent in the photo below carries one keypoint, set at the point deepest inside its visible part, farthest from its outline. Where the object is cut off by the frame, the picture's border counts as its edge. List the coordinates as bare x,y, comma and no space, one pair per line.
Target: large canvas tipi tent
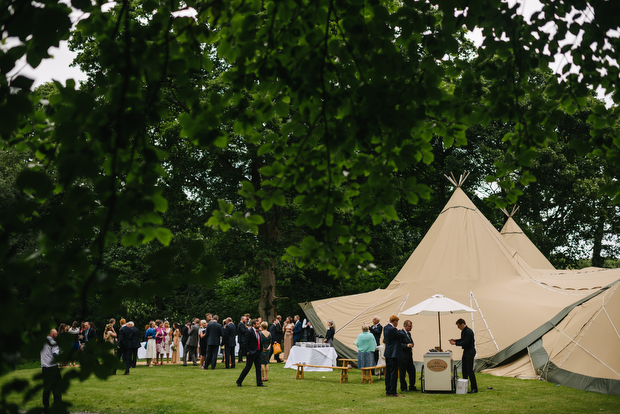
465,258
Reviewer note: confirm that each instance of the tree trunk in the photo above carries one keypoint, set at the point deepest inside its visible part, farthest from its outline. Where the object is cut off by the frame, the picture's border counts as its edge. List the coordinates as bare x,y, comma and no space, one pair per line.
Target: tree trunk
268,234
599,233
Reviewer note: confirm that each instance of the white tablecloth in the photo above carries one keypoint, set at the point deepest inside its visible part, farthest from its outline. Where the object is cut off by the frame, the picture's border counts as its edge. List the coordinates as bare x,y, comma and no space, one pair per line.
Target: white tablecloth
142,351
312,356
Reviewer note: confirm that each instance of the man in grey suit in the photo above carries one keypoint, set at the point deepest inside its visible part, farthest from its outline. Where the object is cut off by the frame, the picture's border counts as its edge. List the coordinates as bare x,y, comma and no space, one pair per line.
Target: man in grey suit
214,334
192,343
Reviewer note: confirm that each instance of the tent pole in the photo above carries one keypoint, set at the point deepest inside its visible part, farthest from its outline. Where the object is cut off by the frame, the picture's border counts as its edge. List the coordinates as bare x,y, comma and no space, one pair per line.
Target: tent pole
439,319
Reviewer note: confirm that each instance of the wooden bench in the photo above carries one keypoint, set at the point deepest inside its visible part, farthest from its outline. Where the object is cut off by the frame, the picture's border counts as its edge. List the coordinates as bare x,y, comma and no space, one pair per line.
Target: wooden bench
344,371
367,373
345,360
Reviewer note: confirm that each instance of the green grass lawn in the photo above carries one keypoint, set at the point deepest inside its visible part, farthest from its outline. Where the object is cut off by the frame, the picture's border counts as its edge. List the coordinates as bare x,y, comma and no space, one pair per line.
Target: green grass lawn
177,389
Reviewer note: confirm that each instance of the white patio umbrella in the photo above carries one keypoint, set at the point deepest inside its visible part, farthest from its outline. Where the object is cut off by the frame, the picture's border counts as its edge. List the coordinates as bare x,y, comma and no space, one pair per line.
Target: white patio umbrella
438,305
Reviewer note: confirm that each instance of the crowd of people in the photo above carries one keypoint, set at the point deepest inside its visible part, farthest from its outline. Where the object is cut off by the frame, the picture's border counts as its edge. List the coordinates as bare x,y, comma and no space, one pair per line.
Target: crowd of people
201,340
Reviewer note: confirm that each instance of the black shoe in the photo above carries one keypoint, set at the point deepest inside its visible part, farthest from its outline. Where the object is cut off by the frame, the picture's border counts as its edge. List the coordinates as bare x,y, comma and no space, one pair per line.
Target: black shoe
238,384
473,392
261,385
413,389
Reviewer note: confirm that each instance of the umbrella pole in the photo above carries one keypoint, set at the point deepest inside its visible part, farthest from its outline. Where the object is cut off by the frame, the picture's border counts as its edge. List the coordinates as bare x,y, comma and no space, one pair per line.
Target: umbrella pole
439,319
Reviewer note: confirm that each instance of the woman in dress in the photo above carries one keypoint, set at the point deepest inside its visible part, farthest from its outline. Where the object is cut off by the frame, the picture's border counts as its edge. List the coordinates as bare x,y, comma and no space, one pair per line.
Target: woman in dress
288,337
176,335
265,345
110,336
75,343
331,331
160,341
167,341
151,344
366,345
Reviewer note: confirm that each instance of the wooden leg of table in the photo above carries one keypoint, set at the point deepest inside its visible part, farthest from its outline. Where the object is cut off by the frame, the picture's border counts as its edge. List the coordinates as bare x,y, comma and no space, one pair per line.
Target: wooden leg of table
300,370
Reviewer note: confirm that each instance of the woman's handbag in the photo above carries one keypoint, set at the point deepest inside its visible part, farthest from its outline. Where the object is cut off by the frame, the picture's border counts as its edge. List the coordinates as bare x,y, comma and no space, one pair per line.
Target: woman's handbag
277,349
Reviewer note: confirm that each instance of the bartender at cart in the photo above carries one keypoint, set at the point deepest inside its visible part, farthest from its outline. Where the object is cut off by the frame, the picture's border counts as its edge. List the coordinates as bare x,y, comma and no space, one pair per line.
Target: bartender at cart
469,352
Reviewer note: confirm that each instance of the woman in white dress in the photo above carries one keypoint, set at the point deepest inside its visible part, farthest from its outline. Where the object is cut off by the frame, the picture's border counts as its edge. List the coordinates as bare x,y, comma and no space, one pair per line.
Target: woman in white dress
167,341
151,351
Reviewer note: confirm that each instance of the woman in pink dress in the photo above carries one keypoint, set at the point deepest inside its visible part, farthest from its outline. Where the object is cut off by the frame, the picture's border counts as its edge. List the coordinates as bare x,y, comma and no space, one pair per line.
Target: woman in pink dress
160,340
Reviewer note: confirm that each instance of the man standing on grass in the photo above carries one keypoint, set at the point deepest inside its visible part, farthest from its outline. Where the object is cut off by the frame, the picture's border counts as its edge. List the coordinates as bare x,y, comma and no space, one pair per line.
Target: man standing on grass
393,353
406,366
376,329
297,330
230,341
135,343
241,332
51,372
214,334
192,343
125,336
468,343
254,353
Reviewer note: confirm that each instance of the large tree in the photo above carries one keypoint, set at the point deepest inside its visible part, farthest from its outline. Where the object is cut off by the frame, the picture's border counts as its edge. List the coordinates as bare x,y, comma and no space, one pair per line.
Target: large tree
363,88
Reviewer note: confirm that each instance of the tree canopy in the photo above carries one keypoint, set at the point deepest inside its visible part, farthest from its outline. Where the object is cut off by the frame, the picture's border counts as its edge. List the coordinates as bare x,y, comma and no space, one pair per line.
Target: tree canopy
337,107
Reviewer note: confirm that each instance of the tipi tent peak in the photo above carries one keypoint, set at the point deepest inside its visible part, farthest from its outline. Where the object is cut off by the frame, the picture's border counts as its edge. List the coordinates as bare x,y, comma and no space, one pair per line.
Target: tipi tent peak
460,181
512,213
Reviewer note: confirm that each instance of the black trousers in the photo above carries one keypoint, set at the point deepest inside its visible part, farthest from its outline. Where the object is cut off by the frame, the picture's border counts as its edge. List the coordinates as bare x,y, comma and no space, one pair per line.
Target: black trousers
243,351
252,359
127,358
467,365
391,375
229,356
51,383
211,356
134,357
406,367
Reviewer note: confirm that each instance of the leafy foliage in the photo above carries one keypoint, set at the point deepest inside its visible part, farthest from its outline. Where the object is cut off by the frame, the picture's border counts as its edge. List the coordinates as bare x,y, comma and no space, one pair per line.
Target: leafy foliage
339,106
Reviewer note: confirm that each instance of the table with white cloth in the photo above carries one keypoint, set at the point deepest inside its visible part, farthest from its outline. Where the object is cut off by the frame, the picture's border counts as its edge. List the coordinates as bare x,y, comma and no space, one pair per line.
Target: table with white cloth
312,356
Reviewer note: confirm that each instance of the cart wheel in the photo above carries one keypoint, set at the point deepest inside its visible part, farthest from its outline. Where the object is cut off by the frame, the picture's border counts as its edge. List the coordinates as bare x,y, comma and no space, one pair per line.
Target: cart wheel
455,376
422,379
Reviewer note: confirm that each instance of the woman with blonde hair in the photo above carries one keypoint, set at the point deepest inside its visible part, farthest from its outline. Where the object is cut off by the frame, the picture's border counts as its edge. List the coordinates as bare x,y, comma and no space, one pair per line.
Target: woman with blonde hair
151,344
265,345
366,345
167,342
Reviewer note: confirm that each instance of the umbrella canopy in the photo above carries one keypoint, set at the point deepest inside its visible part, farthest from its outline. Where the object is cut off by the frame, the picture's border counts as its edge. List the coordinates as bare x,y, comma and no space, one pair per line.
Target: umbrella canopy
438,305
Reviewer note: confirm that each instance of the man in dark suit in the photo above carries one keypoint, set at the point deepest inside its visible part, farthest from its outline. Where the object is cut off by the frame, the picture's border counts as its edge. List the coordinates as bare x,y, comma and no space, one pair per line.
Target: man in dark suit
214,334
135,343
254,352
125,336
275,330
229,340
241,331
185,333
406,366
192,343
89,333
468,343
297,330
393,353
376,329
